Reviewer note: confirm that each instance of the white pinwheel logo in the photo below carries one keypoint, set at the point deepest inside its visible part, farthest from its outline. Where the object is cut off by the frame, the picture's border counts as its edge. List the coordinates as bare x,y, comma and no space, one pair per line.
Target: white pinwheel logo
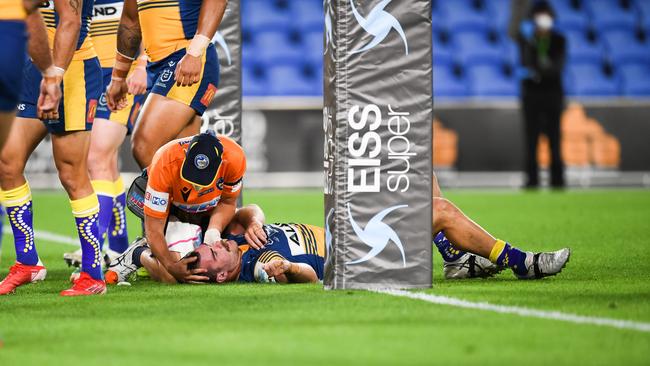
221,41
378,23
377,235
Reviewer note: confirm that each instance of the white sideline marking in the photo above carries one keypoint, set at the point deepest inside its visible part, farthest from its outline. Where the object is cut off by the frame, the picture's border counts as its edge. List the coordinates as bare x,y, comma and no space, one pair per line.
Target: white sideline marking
521,311
50,236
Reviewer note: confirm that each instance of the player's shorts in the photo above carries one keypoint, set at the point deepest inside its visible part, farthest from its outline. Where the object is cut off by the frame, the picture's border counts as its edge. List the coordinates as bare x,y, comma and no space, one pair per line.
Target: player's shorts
13,38
182,237
125,117
199,95
82,87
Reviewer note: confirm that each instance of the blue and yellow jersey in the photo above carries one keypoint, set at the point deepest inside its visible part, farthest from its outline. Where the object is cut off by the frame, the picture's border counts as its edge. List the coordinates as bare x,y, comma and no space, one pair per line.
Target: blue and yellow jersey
12,10
103,29
167,25
85,49
296,243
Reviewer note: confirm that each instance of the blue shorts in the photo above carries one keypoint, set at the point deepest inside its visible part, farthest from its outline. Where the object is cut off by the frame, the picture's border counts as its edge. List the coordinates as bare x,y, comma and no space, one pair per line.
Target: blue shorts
82,86
128,115
13,38
199,95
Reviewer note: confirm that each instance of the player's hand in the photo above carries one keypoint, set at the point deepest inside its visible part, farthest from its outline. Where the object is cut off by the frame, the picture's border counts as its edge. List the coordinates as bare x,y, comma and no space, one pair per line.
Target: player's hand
116,95
255,235
48,99
188,71
182,274
137,81
277,267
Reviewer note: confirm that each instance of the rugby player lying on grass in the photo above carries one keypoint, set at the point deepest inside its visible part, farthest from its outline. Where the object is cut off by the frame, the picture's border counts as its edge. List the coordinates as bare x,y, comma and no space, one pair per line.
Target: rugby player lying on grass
289,253
296,253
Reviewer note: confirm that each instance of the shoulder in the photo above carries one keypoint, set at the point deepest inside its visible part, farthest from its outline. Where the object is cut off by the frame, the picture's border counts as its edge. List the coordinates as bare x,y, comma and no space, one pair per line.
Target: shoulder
230,146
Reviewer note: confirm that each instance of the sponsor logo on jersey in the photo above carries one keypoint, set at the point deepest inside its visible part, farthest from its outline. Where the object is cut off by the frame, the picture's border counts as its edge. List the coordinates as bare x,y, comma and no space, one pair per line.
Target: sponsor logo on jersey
157,201
208,95
200,207
108,11
92,110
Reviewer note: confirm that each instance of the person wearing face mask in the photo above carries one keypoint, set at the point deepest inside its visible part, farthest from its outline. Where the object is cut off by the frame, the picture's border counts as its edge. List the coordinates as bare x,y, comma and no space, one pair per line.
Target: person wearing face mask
543,54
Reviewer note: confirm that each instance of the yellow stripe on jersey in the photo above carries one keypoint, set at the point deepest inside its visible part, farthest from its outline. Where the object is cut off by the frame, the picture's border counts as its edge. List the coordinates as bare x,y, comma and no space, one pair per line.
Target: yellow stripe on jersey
269,256
318,235
74,90
12,10
84,52
162,28
104,35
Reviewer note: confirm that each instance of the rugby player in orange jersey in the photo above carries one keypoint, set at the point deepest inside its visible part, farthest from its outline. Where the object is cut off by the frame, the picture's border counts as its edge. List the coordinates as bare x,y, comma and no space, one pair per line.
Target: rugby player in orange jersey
195,180
184,67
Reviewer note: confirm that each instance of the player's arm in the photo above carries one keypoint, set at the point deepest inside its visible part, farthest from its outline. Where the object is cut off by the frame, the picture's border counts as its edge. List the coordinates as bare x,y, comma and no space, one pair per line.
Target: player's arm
129,37
39,51
189,67
292,272
219,218
67,31
251,218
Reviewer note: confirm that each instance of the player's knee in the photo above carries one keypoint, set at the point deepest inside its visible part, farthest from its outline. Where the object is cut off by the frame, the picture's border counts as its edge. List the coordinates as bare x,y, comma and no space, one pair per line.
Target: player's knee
142,151
72,176
10,166
443,210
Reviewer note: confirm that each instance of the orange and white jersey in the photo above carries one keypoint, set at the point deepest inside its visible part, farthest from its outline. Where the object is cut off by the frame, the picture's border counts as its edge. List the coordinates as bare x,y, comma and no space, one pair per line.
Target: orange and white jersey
166,187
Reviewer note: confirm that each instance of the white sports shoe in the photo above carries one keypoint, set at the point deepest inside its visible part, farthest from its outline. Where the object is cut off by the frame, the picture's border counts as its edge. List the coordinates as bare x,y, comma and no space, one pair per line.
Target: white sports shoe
73,259
470,266
122,267
545,264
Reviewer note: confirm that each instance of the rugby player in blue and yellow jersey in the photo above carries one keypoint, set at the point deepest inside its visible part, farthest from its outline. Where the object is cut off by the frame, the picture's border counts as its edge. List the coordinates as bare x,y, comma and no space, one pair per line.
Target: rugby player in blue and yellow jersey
18,19
109,130
78,68
184,67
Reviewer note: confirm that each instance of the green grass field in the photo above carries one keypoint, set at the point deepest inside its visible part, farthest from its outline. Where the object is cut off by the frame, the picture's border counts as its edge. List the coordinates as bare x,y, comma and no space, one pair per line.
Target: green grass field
154,324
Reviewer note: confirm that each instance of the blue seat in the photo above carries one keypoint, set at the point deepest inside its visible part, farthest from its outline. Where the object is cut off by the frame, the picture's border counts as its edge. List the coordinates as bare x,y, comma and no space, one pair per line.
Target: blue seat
511,52
624,46
446,84
643,6
460,15
274,47
581,49
312,43
259,15
476,48
588,79
286,80
443,52
307,14
491,81
253,84
569,17
635,78
608,14
499,13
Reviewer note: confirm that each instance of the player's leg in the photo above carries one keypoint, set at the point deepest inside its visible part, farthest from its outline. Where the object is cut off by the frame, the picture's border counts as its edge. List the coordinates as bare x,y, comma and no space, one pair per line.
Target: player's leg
23,138
553,117
160,121
191,129
532,130
105,141
469,236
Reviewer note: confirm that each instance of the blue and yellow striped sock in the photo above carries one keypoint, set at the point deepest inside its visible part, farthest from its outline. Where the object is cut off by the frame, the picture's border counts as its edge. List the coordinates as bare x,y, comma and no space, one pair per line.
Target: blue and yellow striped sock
118,237
106,198
446,248
505,255
86,213
18,202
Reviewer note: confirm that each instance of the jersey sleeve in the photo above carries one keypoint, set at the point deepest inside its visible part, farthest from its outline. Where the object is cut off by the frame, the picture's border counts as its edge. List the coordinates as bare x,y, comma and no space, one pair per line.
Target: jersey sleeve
159,188
234,176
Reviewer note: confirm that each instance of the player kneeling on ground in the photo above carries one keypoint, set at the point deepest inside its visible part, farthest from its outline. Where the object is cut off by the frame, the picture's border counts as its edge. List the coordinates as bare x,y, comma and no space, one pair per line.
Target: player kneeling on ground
286,253
195,181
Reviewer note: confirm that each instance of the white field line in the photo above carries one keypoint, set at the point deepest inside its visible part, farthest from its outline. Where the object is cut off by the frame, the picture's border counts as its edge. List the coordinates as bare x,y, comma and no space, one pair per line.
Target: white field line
521,311
49,236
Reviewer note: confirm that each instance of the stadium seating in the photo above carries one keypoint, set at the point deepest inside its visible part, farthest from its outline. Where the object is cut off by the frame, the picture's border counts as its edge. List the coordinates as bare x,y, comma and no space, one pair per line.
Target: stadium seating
471,47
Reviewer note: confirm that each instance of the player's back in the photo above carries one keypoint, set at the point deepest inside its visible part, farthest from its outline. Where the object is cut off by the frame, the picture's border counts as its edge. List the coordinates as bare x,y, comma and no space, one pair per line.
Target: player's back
103,29
84,47
12,10
167,25
296,243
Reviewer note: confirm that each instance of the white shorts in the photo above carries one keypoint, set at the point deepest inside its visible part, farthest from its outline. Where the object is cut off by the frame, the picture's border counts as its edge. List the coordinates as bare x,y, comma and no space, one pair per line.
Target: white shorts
182,237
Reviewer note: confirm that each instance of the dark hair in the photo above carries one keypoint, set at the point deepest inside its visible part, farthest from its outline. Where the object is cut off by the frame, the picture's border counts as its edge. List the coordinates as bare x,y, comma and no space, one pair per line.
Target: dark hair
542,6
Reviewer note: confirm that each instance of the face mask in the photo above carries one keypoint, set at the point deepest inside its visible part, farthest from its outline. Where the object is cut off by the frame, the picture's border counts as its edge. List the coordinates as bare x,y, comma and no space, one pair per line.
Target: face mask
544,21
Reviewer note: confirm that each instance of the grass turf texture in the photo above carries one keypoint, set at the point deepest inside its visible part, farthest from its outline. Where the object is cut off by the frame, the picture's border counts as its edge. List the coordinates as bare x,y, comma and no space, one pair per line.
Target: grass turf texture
154,324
